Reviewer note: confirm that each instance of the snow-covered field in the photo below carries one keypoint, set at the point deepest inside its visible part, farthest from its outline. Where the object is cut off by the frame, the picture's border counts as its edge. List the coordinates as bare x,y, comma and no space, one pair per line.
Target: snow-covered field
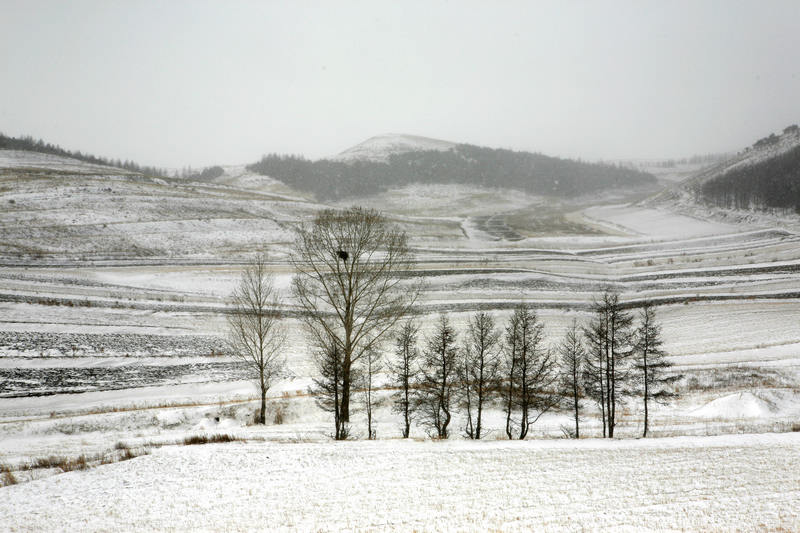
113,292
742,483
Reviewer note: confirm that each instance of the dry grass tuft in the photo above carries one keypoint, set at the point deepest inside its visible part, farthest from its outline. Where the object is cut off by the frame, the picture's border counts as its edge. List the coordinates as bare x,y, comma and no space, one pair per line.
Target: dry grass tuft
210,439
7,479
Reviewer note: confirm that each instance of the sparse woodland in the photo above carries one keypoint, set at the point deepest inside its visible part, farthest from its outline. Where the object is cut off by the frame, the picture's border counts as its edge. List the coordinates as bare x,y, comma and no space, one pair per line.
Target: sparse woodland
355,303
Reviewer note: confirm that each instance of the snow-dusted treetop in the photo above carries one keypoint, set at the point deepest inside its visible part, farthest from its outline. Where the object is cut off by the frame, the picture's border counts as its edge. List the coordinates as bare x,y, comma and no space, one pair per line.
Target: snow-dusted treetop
380,147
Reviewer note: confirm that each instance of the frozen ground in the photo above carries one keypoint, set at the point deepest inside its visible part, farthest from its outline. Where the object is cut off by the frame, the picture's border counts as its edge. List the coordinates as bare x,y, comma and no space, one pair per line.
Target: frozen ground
743,483
113,298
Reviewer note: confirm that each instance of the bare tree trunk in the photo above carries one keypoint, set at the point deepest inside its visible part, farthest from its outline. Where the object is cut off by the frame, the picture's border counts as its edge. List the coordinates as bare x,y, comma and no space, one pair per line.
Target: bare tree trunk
480,408
406,414
510,395
344,403
262,419
645,401
575,400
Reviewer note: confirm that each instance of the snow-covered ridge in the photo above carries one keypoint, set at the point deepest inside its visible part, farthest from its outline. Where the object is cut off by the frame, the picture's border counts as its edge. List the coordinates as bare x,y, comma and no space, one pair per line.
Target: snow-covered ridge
380,147
762,150
26,159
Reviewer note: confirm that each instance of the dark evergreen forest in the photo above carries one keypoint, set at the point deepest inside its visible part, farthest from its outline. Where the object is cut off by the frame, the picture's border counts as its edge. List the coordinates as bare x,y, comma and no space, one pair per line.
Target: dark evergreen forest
772,183
464,164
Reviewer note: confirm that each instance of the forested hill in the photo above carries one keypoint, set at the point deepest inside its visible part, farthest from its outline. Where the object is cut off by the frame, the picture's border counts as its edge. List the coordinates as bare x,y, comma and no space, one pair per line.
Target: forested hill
764,176
31,145
462,164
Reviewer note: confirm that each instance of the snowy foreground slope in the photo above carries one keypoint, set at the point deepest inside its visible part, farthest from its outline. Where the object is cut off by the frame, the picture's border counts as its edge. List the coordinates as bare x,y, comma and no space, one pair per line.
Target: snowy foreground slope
743,483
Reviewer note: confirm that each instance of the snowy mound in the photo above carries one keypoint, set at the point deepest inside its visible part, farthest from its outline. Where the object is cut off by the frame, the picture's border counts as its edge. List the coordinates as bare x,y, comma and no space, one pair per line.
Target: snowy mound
739,405
380,147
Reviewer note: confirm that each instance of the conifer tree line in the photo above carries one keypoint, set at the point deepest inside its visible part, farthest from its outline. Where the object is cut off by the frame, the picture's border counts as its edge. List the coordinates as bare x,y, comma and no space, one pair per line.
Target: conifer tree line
30,144
446,380
465,164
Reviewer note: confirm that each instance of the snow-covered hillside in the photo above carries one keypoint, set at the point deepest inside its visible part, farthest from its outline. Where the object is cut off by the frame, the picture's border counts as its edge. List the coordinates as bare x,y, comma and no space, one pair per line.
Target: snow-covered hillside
380,147
762,150
114,294
57,209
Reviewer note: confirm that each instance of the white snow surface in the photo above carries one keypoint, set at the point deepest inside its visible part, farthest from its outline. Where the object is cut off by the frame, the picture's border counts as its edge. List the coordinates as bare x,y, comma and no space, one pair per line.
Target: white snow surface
380,147
26,159
741,482
738,405
655,223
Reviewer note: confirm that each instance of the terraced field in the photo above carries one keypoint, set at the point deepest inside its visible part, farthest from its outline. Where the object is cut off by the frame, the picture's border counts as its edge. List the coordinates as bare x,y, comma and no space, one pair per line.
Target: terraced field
119,283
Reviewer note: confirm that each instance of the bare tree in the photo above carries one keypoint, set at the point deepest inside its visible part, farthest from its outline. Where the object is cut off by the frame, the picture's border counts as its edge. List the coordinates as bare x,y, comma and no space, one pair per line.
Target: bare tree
254,332
573,360
654,369
405,372
327,388
479,369
608,374
531,372
434,400
348,283
372,365
511,347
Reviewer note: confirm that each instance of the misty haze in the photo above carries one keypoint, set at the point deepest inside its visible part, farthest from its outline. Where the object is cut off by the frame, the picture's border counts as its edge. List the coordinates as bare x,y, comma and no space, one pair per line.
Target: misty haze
418,266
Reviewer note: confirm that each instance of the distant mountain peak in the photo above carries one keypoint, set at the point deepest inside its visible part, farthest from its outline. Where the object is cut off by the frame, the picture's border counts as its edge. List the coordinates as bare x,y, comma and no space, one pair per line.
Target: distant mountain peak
380,147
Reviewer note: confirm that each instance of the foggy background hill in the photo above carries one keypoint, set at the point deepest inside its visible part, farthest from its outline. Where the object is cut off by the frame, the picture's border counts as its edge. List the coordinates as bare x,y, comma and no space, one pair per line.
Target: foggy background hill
395,161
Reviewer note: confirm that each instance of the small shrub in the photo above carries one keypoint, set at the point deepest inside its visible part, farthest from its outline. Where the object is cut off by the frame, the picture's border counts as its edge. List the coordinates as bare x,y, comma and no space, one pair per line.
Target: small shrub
74,464
209,439
129,454
64,463
567,432
280,413
796,427
8,479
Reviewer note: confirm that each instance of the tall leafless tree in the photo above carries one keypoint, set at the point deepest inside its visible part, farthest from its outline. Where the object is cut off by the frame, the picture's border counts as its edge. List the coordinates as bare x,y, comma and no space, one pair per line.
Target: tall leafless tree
654,373
255,335
479,369
608,373
347,282
531,372
573,360
405,372
435,394
371,365
327,388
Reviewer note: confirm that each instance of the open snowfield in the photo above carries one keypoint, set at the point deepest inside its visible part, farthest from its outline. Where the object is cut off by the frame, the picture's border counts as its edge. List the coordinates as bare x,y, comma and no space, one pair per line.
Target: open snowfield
742,483
113,300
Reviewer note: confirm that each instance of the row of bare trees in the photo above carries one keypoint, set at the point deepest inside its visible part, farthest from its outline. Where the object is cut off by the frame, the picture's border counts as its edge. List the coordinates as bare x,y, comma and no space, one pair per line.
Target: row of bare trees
352,294
617,356
486,368
609,361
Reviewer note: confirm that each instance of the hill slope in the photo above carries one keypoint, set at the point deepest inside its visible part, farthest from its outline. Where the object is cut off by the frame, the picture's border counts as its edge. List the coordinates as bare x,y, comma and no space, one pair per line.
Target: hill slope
60,210
383,163
28,144
766,175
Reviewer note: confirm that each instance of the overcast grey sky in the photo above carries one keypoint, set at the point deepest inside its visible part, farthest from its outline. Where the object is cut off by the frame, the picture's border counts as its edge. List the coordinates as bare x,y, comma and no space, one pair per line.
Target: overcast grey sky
195,83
